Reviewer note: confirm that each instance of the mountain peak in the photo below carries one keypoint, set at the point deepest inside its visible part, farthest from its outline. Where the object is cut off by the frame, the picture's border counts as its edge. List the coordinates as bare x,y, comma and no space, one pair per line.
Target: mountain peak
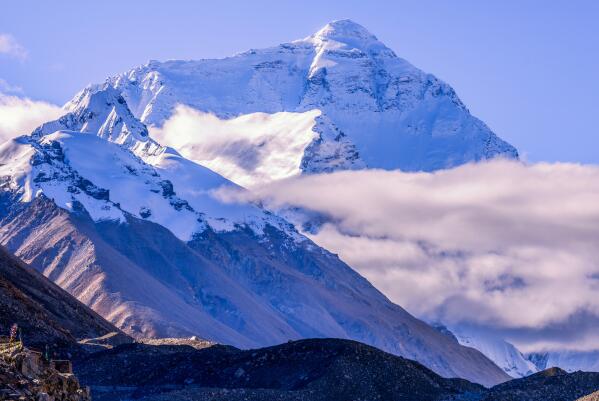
104,112
348,33
92,98
374,108
344,29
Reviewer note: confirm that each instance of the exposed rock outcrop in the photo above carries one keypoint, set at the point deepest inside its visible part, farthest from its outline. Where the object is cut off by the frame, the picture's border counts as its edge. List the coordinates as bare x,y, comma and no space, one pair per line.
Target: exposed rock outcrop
26,375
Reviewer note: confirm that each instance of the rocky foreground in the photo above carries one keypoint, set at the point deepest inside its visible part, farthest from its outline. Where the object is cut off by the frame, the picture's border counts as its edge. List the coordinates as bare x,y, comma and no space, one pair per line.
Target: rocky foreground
25,375
323,369
307,370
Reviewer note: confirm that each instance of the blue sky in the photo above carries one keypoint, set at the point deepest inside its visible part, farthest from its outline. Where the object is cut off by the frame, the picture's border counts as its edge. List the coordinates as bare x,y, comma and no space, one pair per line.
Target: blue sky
526,68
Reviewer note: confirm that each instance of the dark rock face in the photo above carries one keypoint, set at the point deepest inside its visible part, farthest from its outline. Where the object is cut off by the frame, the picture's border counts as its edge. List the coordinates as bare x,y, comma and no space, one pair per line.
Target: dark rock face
553,384
323,369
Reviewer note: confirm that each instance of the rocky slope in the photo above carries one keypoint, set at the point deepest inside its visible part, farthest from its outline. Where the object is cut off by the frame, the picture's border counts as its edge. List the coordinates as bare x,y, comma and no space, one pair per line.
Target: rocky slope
46,314
50,320
357,103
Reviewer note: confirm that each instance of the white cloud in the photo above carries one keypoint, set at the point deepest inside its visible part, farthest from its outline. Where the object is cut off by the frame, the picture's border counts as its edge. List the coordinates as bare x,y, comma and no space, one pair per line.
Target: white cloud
12,48
20,116
498,244
249,149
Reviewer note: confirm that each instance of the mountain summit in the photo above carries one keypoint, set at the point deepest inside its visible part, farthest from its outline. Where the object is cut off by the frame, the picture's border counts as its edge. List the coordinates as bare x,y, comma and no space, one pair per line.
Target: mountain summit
349,34
338,99
343,29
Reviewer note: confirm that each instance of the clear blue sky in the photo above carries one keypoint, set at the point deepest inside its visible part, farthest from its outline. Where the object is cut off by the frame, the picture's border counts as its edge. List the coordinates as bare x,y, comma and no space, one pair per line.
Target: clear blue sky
529,69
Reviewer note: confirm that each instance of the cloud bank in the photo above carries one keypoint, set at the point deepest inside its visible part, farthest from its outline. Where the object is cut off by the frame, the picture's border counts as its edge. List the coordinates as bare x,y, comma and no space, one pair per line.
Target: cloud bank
500,244
20,116
10,47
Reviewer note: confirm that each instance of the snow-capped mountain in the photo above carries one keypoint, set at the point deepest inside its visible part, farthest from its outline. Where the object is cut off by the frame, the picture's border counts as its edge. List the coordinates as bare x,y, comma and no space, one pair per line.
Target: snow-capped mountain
105,114
513,361
131,229
338,99
569,360
504,354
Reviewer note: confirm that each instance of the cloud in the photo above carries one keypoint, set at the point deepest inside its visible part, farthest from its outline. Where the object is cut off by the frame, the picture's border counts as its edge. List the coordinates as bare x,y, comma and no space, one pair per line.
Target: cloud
12,48
20,116
5,87
500,245
248,149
